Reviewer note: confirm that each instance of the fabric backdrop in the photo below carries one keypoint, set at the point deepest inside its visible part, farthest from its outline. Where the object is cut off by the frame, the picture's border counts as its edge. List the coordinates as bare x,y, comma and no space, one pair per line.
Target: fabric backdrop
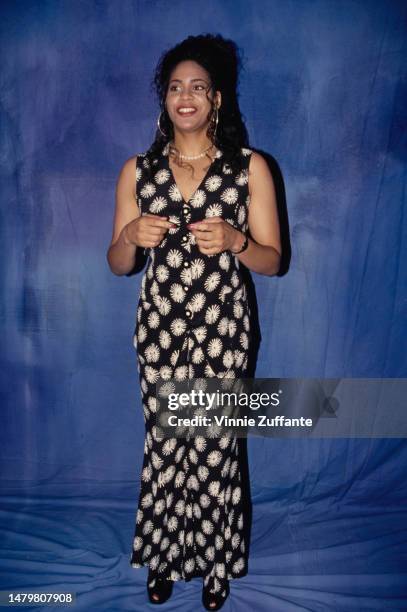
323,93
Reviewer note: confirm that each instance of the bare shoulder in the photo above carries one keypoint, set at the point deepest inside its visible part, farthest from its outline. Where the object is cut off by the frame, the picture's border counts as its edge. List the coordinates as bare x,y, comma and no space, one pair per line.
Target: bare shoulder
129,173
126,185
258,163
128,169
259,171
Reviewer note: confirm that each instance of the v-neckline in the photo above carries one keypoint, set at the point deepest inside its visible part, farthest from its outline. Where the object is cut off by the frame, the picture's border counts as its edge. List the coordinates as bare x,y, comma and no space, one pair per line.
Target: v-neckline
187,202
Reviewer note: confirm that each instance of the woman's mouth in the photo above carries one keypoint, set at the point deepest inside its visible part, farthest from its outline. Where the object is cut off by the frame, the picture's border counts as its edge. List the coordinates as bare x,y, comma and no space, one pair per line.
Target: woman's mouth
186,111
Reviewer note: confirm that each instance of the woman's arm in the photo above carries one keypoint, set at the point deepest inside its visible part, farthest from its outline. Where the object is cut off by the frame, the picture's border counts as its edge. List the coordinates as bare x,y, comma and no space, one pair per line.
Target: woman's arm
121,254
264,252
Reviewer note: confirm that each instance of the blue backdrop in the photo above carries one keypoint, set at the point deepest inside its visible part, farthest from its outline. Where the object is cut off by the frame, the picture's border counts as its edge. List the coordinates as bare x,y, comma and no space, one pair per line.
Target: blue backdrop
324,93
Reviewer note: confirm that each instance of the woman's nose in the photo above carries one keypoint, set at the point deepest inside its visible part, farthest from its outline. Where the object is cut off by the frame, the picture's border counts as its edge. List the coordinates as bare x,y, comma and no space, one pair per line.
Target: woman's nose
185,93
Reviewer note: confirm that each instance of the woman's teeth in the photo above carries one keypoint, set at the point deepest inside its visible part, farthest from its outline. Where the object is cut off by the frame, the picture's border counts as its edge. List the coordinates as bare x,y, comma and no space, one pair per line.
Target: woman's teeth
186,110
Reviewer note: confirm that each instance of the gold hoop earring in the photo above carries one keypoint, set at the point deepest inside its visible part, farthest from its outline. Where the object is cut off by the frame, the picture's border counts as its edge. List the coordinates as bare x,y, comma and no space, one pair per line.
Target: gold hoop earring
214,121
217,119
159,125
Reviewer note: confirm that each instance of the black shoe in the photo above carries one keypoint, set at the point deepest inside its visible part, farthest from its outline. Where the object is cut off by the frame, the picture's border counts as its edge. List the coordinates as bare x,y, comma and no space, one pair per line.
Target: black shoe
216,599
160,587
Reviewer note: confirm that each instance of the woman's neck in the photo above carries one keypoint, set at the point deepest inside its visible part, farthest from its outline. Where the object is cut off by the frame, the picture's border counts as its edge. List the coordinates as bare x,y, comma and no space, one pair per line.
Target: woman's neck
191,144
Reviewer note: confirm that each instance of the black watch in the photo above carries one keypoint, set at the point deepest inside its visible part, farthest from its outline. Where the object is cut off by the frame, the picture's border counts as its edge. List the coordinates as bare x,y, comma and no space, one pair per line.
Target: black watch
244,246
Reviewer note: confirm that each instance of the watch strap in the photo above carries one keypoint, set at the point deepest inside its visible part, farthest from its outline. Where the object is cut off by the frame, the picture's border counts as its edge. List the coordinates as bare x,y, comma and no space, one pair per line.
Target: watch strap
244,246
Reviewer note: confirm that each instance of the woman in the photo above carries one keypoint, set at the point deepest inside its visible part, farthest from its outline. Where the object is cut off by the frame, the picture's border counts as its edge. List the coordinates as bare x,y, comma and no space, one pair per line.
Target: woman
190,200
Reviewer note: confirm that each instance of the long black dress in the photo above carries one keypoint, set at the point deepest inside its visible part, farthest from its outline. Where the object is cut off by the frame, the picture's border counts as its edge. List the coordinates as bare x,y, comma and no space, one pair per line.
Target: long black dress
193,320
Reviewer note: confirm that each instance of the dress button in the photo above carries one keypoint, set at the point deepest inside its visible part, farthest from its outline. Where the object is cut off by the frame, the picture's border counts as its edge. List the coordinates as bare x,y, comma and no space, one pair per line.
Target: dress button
188,313
186,288
186,264
184,238
185,209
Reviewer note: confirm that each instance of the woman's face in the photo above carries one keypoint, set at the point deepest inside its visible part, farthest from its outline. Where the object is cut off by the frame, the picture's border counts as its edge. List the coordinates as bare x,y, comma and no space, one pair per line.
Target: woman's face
187,97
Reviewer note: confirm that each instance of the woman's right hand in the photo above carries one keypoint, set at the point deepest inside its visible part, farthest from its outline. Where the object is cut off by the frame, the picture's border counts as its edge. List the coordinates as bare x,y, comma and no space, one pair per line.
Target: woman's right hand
148,230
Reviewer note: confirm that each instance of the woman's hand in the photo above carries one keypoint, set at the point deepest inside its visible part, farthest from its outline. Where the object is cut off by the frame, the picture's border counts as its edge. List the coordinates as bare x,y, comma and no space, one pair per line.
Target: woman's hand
147,230
214,235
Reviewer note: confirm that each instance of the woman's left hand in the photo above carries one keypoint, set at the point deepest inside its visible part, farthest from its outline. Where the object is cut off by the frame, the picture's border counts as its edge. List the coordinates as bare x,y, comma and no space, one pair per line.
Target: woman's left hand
214,235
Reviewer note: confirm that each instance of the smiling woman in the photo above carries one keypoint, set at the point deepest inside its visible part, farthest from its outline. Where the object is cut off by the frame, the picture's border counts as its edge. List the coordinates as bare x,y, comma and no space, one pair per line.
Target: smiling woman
191,201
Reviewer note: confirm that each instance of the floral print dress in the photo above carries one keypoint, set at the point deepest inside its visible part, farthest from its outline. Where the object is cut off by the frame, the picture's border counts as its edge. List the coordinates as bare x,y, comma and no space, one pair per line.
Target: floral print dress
193,320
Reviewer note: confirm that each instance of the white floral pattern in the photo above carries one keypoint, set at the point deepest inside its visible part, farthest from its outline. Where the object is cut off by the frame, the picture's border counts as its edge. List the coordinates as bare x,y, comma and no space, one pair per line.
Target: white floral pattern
193,319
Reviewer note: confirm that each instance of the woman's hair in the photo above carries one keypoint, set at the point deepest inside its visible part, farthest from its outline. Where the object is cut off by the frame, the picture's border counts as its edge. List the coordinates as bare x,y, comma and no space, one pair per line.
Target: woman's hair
220,58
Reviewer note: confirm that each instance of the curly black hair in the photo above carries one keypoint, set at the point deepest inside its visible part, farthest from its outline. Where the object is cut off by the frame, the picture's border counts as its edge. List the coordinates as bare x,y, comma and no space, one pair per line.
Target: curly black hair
220,57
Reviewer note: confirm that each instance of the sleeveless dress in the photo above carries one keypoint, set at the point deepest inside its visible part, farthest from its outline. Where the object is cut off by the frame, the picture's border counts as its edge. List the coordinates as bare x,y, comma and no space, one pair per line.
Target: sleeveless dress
193,320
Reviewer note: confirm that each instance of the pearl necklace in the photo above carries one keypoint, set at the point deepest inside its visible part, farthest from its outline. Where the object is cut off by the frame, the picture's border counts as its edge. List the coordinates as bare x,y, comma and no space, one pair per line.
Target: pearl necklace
192,157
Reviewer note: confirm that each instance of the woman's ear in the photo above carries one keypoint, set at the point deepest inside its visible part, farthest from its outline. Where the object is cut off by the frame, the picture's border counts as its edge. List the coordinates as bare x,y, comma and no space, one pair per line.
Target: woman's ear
218,99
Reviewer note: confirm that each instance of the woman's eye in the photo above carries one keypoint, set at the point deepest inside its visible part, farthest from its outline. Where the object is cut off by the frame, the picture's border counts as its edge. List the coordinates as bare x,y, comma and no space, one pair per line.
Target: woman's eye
196,87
